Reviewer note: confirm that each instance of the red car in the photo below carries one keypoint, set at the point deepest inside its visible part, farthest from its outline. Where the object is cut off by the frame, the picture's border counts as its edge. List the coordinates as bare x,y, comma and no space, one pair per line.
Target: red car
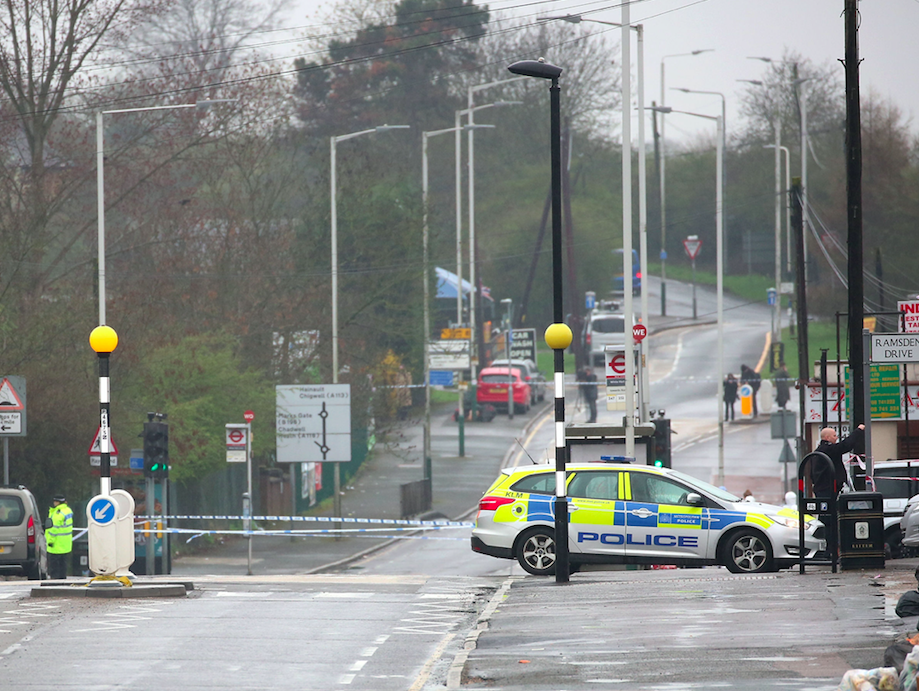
492,388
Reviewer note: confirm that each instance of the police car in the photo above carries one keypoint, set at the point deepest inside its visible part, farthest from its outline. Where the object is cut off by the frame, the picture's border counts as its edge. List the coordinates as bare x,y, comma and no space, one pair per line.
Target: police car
636,514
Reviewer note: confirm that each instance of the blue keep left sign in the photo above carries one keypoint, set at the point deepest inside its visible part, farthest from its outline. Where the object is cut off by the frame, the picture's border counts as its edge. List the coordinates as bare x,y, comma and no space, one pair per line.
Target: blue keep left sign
101,510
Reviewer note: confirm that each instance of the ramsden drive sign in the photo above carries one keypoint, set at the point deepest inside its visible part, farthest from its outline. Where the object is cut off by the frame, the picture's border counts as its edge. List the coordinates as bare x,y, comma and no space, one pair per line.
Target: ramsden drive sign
899,347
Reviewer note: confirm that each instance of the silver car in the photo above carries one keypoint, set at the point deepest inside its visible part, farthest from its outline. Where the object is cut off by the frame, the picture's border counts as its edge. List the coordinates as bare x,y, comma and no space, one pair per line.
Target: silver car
22,539
531,375
603,329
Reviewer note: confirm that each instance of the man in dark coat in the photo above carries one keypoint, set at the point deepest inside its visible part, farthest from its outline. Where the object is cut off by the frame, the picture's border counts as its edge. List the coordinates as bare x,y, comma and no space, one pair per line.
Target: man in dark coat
782,393
590,392
827,483
834,449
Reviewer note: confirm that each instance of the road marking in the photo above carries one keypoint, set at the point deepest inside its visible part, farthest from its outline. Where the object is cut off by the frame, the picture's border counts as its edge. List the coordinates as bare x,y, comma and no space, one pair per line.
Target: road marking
130,613
358,666
368,652
422,677
351,596
346,678
380,640
227,593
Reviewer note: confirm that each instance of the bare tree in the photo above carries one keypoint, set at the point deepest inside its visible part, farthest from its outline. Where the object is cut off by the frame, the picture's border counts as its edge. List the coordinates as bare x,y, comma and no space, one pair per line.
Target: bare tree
207,34
591,79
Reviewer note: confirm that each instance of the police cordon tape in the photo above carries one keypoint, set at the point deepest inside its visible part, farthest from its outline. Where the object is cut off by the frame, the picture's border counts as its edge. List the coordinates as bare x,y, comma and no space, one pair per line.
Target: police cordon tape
412,526
317,519
354,532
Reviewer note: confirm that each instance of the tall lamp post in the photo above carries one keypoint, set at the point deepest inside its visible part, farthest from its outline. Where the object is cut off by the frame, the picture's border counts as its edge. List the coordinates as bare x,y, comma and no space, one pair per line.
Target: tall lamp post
719,269
470,129
104,339
784,191
642,183
334,221
425,136
473,246
663,177
334,144
724,142
558,335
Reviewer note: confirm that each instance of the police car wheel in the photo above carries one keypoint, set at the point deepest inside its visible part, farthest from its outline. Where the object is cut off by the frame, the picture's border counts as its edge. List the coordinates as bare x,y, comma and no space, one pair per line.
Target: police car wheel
536,551
747,551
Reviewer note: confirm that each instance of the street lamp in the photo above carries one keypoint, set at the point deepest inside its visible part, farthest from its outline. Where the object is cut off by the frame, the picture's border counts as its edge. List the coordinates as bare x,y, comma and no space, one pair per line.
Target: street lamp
470,139
427,305
787,205
626,193
719,268
336,478
802,110
100,179
558,335
334,143
663,166
509,307
103,339
724,129
473,246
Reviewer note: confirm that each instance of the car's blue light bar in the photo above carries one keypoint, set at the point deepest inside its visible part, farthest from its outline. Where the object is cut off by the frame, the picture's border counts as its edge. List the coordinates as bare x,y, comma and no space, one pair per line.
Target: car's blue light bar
617,459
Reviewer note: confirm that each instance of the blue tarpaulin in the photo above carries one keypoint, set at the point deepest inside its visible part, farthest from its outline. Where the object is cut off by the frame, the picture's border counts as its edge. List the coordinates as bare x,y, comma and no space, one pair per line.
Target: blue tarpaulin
447,282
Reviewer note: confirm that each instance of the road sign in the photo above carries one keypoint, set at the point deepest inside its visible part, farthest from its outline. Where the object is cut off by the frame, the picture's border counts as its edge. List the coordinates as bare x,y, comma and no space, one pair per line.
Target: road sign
95,452
692,244
314,423
449,354
894,348
910,320
639,331
441,377
464,333
10,423
13,406
236,437
523,344
615,365
101,510
248,416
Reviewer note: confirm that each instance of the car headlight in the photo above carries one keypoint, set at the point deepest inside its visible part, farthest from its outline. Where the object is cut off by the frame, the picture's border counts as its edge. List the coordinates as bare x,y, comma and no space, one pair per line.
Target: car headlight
790,522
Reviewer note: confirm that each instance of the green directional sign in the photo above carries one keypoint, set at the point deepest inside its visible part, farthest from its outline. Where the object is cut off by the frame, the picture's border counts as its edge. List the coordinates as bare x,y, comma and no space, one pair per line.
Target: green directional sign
885,392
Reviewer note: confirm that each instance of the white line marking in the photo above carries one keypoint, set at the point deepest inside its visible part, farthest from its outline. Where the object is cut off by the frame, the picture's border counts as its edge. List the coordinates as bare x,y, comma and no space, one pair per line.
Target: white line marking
368,652
357,666
346,678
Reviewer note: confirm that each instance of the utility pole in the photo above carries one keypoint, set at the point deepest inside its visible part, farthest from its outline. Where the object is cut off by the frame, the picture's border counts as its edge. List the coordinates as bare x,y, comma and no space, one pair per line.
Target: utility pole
854,215
797,223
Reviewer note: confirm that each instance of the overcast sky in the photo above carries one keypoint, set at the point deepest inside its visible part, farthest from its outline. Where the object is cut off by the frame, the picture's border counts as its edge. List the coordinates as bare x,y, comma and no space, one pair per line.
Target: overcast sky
736,29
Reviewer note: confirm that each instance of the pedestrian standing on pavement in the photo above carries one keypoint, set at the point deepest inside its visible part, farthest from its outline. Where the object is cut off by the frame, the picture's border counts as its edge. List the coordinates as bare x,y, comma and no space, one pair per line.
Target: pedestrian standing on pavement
782,393
828,482
590,392
59,536
750,376
730,396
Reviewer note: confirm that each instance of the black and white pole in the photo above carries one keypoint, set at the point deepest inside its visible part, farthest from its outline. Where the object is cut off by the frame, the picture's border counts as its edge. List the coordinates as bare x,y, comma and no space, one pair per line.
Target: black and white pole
103,340
558,335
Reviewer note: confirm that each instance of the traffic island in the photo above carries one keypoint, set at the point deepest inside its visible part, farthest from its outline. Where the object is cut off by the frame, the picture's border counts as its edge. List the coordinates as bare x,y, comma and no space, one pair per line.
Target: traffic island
113,589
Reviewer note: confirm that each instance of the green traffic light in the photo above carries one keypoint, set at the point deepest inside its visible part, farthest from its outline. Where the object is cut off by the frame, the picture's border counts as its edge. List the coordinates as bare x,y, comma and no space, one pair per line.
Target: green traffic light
658,463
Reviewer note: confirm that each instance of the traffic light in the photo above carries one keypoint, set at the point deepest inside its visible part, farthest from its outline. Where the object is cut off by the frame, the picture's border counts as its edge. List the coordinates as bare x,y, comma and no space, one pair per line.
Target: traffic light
662,443
156,450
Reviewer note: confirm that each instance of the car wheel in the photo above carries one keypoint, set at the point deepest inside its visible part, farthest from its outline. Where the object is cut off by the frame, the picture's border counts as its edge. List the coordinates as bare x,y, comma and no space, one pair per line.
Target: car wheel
747,551
536,551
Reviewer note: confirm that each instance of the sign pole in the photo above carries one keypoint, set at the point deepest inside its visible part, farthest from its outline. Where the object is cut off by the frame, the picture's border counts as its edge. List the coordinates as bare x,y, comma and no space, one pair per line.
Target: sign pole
866,377
249,492
6,460
150,510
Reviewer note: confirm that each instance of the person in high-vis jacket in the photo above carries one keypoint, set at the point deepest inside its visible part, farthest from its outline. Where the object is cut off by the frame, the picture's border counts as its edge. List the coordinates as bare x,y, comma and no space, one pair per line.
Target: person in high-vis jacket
59,536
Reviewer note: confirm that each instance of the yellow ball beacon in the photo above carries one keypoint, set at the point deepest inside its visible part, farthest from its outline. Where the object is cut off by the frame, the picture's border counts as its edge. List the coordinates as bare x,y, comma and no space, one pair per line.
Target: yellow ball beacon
558,336
103,339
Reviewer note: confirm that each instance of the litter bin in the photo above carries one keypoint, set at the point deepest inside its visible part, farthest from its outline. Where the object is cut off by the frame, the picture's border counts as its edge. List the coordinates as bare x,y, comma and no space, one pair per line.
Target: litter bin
861,530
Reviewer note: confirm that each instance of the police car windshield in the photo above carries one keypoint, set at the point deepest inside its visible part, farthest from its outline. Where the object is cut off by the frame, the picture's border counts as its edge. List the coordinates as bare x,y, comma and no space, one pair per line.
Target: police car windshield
716,492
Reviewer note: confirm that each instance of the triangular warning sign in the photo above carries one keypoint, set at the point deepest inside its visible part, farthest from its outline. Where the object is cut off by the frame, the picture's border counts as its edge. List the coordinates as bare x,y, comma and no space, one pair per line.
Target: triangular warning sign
9,399
95,449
